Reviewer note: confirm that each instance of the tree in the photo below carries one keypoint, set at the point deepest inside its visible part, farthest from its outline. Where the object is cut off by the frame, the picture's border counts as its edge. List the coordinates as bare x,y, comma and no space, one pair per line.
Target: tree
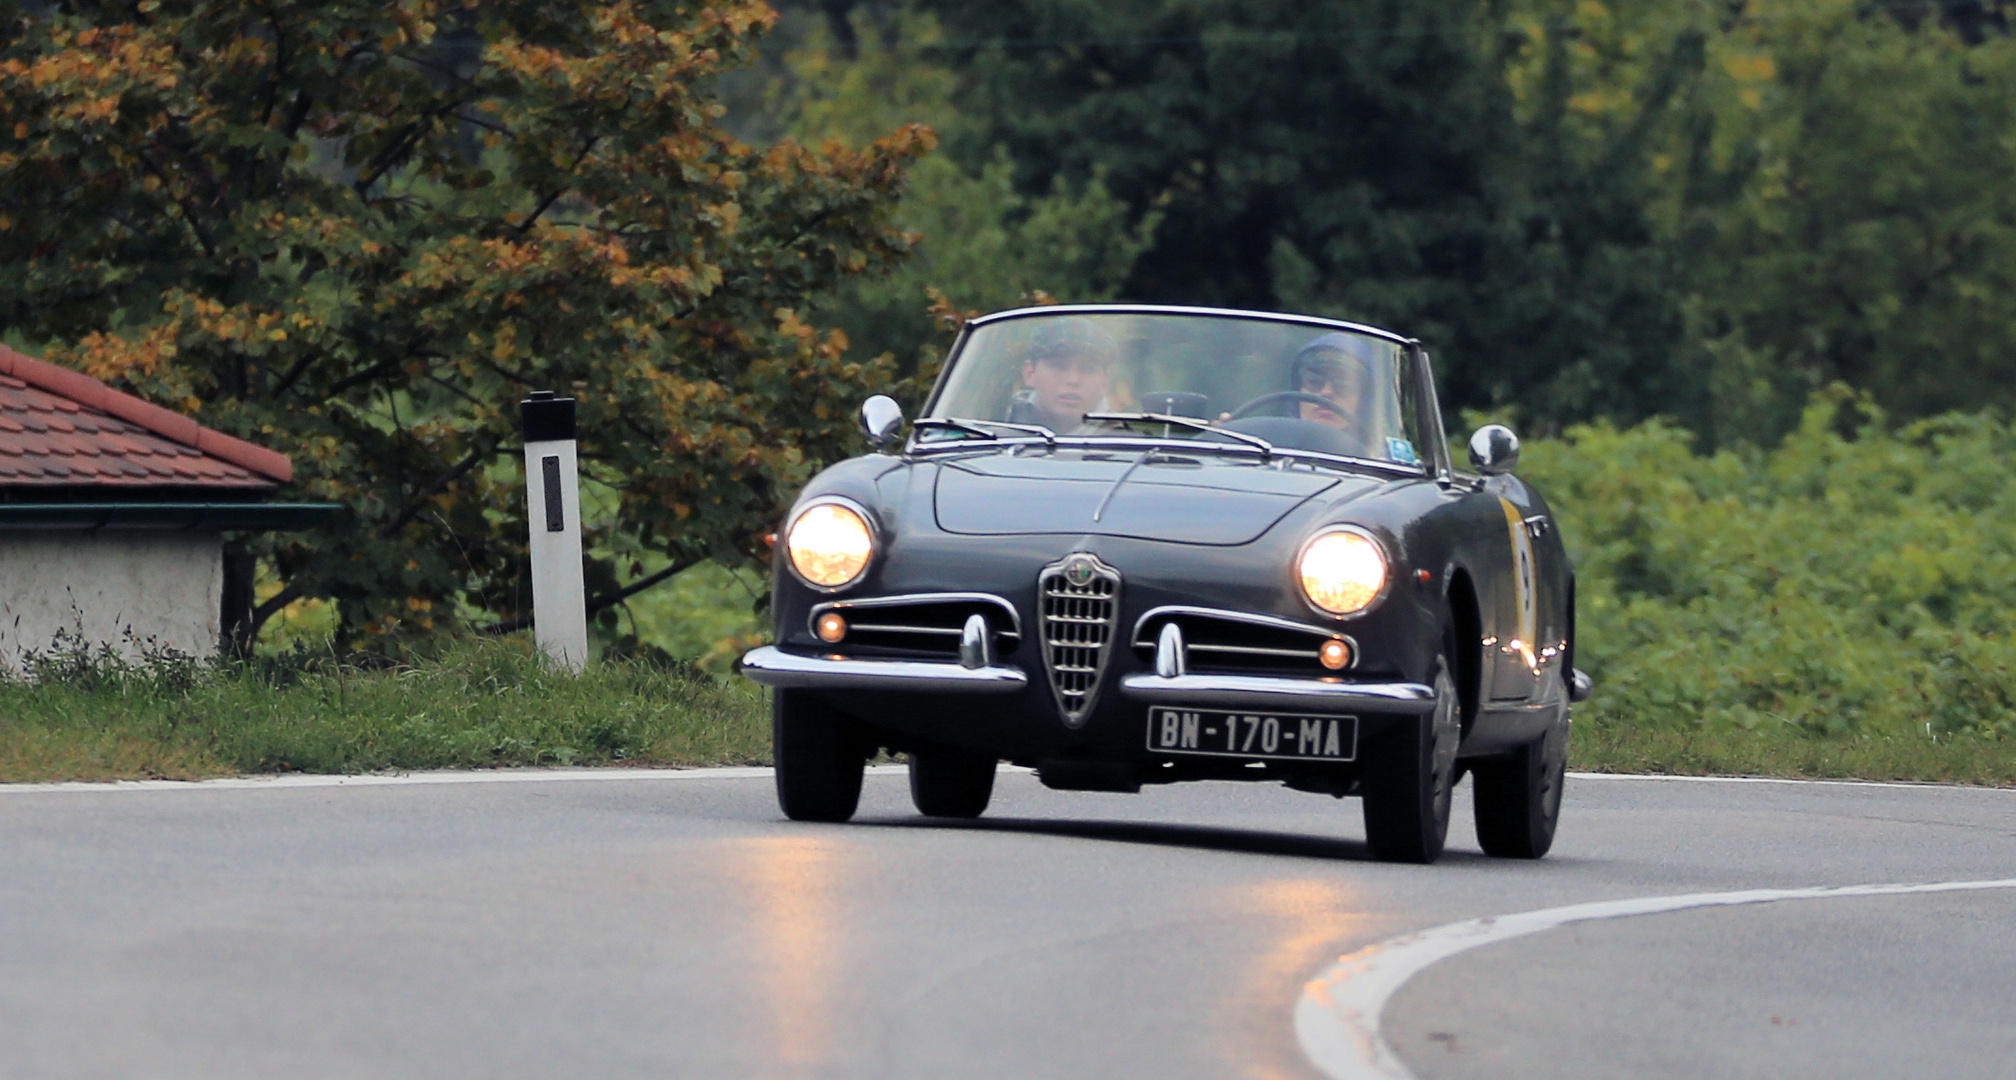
1872,239
1373,161
982,243
360,232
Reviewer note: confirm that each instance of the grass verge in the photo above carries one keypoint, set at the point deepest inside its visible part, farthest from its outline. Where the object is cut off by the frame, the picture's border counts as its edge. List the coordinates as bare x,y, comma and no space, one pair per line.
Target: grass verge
490,704
481,705
1735,751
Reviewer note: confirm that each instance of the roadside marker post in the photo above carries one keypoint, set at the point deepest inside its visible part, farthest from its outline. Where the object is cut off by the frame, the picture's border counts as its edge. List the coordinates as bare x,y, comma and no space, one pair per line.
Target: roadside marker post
553,511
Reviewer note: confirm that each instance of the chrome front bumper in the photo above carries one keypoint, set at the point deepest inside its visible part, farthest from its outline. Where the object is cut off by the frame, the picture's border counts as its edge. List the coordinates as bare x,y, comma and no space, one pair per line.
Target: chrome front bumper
1259,692
772,666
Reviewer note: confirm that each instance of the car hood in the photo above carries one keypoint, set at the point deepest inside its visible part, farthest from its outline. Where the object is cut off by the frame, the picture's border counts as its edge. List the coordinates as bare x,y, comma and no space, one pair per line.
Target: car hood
1191,499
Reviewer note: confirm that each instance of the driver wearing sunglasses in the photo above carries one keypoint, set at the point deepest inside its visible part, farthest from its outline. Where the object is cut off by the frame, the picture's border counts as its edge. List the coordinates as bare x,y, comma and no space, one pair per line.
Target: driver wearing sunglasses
1328,369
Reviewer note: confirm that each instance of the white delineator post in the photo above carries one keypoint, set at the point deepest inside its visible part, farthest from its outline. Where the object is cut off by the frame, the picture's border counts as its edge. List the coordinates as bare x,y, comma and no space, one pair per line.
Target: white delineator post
553,504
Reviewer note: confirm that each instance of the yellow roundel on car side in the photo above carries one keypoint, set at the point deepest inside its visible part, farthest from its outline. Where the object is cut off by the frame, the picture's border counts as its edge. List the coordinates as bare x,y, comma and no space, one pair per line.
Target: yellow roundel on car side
1525,586
829,545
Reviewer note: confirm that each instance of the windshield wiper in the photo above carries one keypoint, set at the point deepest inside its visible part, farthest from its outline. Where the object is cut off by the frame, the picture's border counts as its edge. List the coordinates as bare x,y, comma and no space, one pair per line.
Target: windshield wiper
972,427
1266,448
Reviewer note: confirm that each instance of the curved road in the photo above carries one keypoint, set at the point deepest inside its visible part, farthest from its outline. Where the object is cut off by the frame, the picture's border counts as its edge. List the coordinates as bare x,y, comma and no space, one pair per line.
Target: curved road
640,924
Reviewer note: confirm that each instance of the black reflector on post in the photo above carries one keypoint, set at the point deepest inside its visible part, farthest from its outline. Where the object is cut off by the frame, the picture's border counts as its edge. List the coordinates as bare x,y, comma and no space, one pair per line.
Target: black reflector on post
556,513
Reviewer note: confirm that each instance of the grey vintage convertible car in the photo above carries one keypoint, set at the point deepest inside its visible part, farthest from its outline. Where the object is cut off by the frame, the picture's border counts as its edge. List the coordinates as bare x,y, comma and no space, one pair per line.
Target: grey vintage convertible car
1131,545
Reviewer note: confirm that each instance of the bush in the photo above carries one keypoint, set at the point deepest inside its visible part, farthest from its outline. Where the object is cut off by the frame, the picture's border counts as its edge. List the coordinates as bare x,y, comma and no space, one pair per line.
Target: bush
1856,580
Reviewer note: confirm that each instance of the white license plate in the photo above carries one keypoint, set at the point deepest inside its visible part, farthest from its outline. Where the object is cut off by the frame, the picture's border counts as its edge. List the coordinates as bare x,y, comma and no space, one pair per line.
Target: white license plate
1220,733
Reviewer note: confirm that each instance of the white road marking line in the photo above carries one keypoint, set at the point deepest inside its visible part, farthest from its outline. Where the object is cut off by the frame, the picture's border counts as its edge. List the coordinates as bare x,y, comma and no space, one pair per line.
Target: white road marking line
1337,1018
752,772
288,781
1907,785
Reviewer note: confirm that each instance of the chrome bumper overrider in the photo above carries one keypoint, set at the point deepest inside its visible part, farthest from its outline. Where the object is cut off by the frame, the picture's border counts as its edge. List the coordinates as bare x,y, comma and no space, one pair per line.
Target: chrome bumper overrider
772,666
1261,692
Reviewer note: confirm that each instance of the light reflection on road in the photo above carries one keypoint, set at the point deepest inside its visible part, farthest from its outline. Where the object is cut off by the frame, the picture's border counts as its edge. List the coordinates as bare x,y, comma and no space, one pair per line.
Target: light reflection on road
1307,920
791,885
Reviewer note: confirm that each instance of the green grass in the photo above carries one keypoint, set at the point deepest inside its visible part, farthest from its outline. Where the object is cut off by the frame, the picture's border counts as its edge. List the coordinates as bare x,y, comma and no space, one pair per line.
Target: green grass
490,704
476,705
1987,760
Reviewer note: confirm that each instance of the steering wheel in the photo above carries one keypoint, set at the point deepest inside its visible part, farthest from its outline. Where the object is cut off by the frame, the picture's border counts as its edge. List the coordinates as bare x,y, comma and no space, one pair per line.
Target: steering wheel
1279,397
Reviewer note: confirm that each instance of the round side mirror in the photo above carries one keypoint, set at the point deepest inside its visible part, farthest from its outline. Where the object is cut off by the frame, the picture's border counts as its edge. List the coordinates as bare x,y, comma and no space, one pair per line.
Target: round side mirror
881,418
1494,450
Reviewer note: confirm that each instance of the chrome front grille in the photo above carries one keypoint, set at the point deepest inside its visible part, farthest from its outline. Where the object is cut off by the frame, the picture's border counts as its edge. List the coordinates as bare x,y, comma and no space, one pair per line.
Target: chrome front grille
1235,642
919,623
1080,599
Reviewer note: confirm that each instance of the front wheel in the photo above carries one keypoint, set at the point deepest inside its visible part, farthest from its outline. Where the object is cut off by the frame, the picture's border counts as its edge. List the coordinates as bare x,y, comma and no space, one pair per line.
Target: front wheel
1518,798
951,783
820,757
1409,779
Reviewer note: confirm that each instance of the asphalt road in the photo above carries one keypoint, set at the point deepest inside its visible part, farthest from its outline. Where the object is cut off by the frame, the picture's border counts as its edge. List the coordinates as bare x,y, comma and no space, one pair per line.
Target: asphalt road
674,926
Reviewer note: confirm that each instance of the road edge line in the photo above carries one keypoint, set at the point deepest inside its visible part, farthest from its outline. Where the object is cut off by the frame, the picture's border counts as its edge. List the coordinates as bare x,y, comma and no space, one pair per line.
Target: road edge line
1907,785
298,781
1337,1016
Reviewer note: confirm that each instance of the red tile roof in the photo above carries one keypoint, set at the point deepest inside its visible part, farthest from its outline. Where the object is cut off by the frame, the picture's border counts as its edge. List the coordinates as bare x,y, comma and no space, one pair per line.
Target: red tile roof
62,428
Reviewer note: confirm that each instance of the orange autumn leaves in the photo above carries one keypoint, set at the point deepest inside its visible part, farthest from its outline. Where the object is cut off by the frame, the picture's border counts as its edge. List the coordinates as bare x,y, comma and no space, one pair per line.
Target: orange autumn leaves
360,232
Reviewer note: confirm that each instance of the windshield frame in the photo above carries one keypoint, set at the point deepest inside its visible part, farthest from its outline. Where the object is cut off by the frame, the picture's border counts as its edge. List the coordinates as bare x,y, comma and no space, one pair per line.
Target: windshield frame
1427,467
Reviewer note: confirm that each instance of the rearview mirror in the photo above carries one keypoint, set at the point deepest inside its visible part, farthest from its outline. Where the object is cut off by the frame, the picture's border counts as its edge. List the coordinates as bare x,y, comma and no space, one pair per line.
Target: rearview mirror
1494,450
881,418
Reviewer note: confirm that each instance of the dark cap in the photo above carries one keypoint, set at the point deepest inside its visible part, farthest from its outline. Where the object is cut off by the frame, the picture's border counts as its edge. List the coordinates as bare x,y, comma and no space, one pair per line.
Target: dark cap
546,418
1055,337
1332,354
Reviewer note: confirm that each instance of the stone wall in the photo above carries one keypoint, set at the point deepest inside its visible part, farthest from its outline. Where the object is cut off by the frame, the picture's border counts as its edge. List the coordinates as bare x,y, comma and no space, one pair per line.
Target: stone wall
163,586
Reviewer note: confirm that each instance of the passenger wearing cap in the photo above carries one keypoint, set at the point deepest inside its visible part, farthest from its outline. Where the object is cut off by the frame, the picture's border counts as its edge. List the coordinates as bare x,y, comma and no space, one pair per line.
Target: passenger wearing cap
1064,376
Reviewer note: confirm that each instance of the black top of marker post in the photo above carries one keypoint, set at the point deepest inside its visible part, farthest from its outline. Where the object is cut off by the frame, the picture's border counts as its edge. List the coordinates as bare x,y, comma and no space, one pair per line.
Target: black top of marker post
546,418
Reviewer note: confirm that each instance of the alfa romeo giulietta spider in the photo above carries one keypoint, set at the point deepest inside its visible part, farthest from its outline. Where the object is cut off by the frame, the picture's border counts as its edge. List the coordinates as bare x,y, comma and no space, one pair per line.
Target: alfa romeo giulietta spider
1129,545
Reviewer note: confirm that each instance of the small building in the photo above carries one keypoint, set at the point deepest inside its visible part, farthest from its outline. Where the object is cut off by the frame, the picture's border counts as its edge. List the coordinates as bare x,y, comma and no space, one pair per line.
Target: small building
114,517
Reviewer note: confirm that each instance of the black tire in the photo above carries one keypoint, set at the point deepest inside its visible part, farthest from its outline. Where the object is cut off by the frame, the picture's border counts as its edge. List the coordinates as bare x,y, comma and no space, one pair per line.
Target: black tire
820,757
1518,798
1409,778
951,783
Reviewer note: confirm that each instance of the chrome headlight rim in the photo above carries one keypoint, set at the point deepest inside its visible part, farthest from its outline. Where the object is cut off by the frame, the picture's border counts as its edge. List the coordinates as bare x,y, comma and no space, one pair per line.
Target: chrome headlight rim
867,520
1378,545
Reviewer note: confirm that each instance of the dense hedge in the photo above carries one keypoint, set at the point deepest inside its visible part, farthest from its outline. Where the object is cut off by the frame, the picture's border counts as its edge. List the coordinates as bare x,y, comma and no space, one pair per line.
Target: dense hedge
1857,579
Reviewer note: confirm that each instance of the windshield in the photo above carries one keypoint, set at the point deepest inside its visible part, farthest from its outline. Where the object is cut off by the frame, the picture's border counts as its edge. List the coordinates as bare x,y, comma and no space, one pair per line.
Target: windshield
1296,385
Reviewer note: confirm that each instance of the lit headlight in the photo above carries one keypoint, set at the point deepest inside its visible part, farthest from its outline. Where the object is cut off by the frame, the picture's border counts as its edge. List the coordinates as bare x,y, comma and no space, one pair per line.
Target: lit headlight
1342,572
830,544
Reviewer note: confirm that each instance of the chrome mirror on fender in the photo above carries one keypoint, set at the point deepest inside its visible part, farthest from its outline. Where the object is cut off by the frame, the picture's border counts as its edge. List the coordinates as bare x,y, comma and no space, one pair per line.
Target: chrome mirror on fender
881,418
1494,450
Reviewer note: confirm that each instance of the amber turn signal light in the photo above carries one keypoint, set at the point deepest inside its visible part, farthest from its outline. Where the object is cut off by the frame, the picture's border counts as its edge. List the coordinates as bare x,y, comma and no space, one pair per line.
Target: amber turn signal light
1335,654
831,628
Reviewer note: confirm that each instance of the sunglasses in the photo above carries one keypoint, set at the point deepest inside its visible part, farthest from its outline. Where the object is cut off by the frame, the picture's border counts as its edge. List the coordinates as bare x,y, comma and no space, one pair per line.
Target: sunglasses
1316,380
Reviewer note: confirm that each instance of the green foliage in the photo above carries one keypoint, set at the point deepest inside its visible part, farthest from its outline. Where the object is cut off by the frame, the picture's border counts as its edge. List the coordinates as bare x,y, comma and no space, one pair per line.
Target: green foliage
704,617
1873,239
980,241
1616,208
360,232
1856,581
87,714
